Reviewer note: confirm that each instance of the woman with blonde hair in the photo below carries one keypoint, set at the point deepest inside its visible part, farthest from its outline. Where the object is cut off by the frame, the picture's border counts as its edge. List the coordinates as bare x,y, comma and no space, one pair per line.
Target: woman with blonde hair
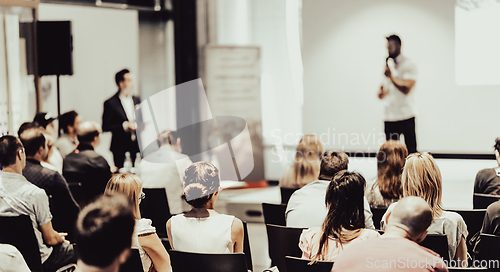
387,188
421,177
202,229
306,165
153,255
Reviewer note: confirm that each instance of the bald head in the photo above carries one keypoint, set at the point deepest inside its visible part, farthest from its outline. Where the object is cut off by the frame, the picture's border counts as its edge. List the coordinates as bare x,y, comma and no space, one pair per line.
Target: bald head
88,131
413,214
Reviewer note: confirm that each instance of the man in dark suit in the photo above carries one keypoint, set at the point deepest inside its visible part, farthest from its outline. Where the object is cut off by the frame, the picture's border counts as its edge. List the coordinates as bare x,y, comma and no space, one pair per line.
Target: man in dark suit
118,117
62,204
85,166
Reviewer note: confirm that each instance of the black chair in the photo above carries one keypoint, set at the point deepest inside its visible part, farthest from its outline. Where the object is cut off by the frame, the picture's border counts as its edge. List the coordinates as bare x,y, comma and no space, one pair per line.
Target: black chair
377,216
490,250
155,207
283,241
294,264
286,193
190,262
246,247
437,243
18,231
474,221
133,263
274,214
482,201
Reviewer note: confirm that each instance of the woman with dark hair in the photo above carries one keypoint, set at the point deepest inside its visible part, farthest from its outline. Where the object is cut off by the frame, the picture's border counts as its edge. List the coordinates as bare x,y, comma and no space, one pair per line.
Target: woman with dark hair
344,223
387,188
203,229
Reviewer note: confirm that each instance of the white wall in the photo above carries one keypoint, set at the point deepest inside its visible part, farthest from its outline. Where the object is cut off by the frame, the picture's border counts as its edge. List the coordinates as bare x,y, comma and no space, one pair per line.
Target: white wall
344,56
104,42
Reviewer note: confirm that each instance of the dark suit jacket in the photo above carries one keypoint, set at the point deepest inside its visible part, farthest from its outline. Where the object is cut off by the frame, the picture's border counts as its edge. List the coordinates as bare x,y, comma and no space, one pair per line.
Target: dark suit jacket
63,207
112,120
87,167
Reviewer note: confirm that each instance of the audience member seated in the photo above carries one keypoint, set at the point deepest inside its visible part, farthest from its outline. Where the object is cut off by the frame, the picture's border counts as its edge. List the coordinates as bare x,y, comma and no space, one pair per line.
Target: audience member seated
47,123
345,222
18,196
202,229
164,168
86,166
68,142
62,205
28,125
488,180
306,165
11,259
421,177
397,249
491,224
153,255
306,207
387,189
103,234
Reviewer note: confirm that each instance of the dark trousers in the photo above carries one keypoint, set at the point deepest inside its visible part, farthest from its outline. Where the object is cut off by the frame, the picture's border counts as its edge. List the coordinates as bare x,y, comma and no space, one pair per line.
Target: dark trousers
393,131
62,254
119,158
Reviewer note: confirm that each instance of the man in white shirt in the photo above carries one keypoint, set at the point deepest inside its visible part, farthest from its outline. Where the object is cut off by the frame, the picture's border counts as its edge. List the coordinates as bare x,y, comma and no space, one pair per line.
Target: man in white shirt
165,169
118,117
306,207
396,92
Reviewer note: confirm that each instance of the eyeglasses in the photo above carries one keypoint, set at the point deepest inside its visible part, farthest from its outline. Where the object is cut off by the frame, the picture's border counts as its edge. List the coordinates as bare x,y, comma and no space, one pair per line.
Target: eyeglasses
142,196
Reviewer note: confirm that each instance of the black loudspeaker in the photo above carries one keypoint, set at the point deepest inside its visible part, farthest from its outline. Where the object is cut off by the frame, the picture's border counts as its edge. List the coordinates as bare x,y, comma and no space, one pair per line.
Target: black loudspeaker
55,48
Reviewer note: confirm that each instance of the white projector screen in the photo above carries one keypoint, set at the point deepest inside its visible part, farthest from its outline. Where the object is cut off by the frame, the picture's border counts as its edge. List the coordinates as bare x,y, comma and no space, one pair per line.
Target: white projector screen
344,51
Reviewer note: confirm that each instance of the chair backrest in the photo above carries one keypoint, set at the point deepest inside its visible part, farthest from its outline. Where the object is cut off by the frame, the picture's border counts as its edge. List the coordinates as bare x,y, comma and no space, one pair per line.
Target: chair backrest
482,201
490,250
133,263
377,216
437,243
474,221
18,231
207,262
294,264
286,193
274,214
283,241
246,247
155,207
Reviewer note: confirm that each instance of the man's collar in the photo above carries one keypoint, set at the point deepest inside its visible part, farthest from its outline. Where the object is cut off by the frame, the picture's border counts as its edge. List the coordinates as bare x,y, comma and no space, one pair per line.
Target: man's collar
84,146
33,161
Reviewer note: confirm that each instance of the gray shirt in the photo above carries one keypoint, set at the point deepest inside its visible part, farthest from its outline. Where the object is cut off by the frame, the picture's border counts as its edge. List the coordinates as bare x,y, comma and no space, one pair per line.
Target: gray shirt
18,196
307,209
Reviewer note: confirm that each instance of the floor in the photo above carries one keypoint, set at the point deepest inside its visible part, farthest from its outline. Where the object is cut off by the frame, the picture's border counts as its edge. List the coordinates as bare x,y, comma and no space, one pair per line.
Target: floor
458,180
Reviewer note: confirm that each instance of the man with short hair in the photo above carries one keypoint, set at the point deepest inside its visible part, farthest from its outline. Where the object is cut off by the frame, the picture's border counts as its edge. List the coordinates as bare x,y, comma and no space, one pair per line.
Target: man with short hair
68,142
397,249
164,170
20,197
104,234
306,207
84,165
119,118
55,159
62,205
488,180
396,91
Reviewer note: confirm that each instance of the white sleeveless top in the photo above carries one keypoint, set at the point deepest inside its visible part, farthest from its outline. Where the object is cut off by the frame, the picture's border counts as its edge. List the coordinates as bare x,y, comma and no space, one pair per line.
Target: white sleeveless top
203,235
142,227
